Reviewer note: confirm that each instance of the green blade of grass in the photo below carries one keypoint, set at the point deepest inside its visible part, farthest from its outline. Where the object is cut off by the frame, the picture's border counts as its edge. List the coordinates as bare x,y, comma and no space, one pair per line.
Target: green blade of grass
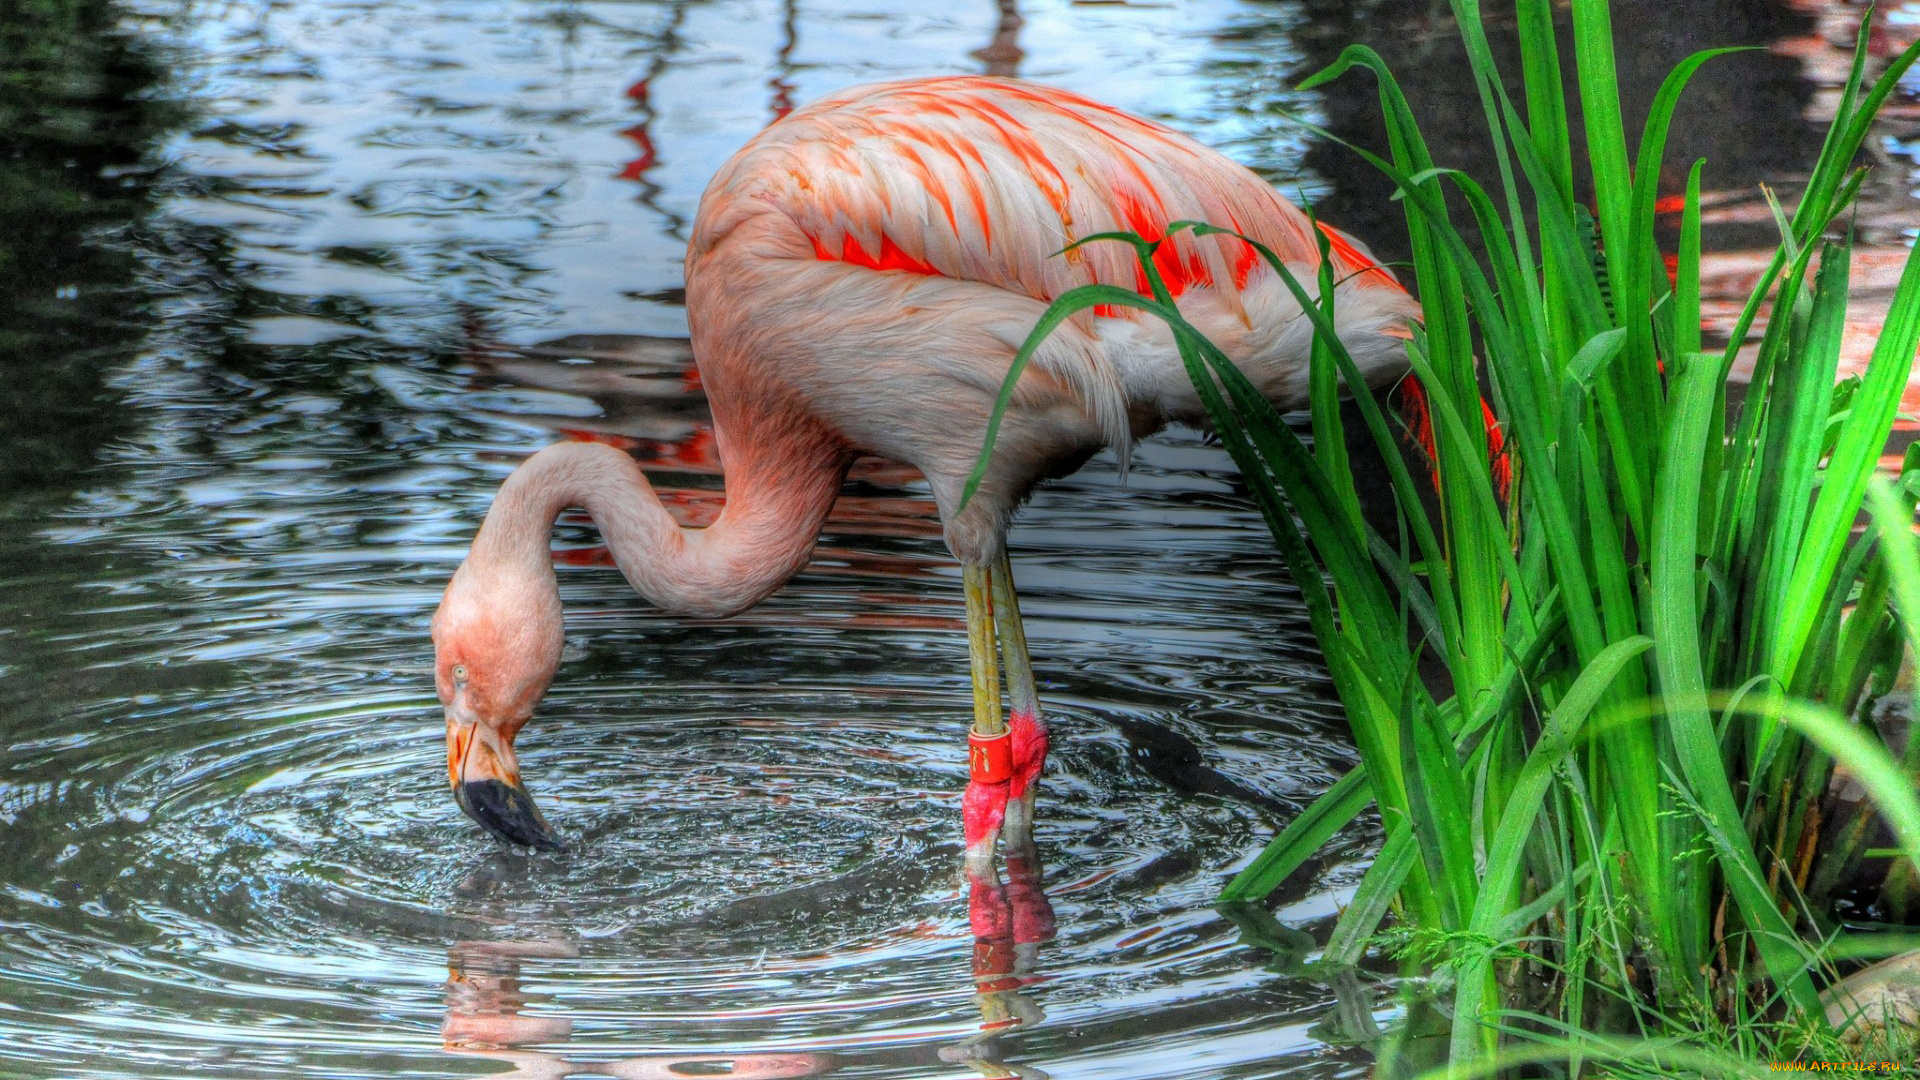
1845,481
1303,836
1371,899
1508,846
1634,289
1893,520
1068,304
1800,411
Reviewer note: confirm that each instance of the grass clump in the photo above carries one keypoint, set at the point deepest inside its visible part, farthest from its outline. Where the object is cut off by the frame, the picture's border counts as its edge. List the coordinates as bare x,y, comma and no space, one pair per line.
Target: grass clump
1603,828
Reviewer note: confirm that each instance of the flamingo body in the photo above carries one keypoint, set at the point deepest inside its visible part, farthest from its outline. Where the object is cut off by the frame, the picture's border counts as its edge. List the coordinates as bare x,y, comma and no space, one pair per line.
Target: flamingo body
859,278
873,262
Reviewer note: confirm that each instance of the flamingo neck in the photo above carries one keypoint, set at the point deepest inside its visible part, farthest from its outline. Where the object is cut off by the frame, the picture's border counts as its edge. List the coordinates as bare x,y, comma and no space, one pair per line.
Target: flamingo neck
762,537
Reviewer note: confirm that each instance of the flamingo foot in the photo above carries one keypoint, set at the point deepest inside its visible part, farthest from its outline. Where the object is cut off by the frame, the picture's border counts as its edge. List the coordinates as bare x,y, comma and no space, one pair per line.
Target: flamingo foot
1029,735
982,810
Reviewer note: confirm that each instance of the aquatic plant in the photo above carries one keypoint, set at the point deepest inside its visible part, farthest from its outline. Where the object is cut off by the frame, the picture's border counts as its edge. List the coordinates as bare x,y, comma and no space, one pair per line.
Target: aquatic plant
1654,643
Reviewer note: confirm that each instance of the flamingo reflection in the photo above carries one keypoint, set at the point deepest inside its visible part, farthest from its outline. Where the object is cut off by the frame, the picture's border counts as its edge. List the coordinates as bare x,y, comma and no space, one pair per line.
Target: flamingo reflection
490,1015
484,1019
484,1003
1003,54
782,81
1010,922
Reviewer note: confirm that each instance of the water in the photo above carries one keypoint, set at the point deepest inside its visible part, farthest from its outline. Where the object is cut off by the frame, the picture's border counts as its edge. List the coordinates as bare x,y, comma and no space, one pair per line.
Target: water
288,288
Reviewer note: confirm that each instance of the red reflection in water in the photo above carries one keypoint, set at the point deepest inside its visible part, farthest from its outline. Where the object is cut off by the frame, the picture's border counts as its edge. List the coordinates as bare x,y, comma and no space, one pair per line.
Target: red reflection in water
642,138
486,1007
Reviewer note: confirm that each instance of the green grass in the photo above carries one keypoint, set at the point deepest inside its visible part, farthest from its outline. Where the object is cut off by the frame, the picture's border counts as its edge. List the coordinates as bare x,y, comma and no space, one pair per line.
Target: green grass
1652,647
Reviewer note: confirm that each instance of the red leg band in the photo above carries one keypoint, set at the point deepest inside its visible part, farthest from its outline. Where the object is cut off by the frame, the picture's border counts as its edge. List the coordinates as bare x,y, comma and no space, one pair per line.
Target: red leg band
990,757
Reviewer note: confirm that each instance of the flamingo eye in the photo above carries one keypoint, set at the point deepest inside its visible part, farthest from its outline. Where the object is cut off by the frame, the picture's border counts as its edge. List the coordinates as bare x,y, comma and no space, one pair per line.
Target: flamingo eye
459,674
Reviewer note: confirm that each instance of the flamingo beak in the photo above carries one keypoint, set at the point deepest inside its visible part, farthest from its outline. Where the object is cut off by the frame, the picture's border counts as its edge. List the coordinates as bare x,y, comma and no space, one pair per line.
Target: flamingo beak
486,784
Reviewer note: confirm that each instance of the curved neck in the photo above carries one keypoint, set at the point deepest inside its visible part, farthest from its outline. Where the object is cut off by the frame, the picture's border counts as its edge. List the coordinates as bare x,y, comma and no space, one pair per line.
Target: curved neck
764,535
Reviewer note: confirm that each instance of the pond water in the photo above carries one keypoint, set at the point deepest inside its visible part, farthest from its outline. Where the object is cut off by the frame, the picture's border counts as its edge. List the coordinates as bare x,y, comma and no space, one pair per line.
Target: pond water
287,287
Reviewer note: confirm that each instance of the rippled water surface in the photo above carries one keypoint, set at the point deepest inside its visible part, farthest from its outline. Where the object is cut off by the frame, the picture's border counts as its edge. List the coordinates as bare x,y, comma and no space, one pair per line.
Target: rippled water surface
289,287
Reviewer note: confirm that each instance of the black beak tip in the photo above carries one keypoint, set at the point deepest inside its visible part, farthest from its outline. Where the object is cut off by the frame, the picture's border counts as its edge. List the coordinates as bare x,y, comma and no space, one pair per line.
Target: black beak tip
508,813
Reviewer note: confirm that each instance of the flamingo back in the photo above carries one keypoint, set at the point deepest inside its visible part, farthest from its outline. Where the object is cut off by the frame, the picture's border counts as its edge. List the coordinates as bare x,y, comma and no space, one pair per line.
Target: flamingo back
974,179
988,179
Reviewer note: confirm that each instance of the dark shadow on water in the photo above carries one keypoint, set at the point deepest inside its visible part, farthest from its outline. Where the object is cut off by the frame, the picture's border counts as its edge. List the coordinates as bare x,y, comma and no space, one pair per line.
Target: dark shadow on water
81,103
1743,113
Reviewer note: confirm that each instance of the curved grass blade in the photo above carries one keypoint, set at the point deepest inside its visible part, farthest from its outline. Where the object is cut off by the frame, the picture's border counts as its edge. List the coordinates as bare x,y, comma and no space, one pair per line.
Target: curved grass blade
1069,304
1371,899
1303,836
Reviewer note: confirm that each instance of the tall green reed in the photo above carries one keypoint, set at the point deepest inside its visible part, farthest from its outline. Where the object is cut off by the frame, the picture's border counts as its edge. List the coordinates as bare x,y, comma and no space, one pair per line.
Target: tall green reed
1650,646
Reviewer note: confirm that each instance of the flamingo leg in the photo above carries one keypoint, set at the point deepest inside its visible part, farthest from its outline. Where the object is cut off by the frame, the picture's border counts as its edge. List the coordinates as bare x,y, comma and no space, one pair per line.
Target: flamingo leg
985,804
1010,920
1005,755
1029,732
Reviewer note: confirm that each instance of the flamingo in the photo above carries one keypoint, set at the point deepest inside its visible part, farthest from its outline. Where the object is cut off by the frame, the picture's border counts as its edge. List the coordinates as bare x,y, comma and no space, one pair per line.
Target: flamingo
858,280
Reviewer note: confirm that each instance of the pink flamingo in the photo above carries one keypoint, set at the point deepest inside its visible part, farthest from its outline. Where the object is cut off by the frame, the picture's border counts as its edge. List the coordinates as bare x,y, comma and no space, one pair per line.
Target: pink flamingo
859,278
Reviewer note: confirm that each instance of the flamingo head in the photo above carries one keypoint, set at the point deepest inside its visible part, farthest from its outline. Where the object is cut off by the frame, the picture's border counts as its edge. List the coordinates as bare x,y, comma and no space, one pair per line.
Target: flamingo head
496,643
